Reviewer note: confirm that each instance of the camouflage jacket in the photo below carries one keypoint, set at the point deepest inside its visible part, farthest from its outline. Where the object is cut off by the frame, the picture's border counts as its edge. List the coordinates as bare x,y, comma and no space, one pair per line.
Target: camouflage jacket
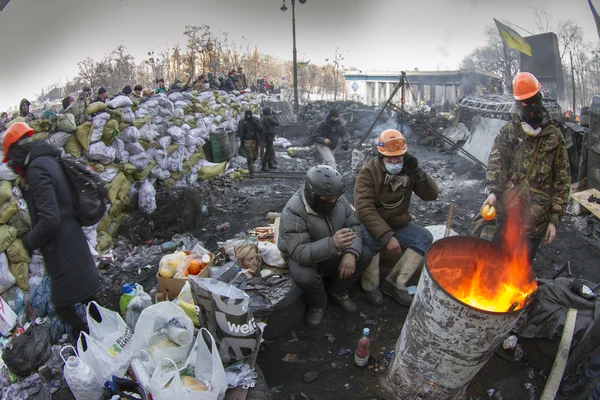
549,179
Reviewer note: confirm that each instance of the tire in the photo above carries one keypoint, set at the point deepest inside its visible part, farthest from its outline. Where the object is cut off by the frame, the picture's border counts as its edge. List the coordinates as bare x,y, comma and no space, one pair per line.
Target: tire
261,390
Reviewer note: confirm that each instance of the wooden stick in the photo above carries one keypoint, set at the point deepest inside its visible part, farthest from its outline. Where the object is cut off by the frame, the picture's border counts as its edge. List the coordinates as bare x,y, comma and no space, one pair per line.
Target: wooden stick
562,356
450,217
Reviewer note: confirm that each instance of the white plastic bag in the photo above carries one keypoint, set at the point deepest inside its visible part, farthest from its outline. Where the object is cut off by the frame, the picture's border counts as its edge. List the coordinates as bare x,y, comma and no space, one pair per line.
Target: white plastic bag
163,331
130,134
271,255
102,153
139,303
208,369
109,350
7,280
120,101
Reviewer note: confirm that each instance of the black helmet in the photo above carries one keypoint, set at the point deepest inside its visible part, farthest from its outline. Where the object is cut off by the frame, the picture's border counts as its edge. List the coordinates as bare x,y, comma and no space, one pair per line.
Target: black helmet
322,180
267,111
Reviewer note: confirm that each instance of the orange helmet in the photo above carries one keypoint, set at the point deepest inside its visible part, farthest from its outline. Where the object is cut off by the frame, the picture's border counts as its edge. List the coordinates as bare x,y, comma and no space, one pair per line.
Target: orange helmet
13,134
525,85
392,143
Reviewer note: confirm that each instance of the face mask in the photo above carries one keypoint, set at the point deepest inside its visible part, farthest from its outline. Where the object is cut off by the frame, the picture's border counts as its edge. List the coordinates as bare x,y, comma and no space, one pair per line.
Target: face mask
323,207
393,169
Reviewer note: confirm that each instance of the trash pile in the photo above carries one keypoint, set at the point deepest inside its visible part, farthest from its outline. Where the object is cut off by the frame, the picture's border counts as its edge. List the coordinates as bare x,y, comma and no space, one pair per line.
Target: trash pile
164,141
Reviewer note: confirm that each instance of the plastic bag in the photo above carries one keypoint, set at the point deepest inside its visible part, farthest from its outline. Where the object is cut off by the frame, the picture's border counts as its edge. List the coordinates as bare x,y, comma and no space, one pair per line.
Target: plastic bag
15,298
166,384
17,253
130,134
102,153
134,148
198,257
120,101
21,273
109,349
224,310
5,191
66,123
186,302
265,293
271,255
7,280
147,198
40,298
7,210
128,115
163,331
28,351
6,173
37,266
168,264
139,303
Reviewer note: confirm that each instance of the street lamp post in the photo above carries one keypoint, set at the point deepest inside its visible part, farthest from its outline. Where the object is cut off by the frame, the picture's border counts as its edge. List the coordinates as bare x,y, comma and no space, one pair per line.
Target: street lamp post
294,60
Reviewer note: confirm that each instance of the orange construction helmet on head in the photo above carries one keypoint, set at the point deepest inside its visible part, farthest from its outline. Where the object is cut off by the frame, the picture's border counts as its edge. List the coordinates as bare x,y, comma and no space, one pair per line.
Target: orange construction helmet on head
392,143
525,85
12,135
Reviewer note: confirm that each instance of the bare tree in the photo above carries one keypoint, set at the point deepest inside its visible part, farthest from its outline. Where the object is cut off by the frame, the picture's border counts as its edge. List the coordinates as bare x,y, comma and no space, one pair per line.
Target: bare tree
337,70
569,35
543,19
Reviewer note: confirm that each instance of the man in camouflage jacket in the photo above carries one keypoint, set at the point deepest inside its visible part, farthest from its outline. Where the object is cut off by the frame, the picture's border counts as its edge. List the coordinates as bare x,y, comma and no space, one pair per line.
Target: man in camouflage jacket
531,137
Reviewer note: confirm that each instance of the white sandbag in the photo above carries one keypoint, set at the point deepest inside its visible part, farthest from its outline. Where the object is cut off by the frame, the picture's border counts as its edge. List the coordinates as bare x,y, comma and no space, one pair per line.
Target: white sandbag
128,115
212,128
193,141
130,134
175,96
175,161
192,178
158,172
141,161
134,148
148,132
178,113
96,135
218,119
91,234
177,134
185,127
120,101
282,143
189,118
141,113
165,112
149,104
206,96
99,120
101,152
157,120
164,142
6,173
147,197
7,280
231,125
180,104
161,158
121,156
108,175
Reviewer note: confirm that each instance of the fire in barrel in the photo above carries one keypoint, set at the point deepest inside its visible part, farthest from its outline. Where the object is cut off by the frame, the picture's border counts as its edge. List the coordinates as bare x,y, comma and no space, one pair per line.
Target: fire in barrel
469,297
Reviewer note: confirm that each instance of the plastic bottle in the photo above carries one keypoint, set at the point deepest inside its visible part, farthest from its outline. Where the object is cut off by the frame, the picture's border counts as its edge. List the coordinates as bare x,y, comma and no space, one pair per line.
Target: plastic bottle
81,379
361,355
128,295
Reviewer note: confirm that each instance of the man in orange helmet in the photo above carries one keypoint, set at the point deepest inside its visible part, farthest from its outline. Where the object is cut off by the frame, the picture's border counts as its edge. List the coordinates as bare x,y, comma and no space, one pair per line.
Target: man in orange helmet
382,196
55,229
529,165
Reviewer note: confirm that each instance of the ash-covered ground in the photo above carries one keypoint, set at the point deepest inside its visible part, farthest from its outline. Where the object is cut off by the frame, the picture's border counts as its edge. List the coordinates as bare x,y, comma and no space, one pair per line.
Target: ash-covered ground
244,205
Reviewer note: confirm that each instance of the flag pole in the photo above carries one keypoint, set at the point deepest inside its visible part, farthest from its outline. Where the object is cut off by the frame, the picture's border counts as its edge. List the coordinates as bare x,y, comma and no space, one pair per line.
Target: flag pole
507,72
573,79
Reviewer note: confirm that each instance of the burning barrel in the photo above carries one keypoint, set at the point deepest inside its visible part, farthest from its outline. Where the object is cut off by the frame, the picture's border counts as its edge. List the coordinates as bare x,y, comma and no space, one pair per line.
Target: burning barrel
469,297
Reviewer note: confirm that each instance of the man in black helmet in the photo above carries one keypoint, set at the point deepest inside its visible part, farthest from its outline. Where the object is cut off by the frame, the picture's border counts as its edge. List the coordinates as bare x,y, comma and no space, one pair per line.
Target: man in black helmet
317,237
269,123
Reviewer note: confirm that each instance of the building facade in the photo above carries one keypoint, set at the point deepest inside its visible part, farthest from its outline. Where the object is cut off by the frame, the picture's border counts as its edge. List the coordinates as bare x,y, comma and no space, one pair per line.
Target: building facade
430,87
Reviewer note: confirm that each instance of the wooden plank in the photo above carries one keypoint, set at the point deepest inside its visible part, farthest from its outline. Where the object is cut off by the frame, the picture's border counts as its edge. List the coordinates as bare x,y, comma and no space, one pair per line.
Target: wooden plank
276,229
562,356
582,198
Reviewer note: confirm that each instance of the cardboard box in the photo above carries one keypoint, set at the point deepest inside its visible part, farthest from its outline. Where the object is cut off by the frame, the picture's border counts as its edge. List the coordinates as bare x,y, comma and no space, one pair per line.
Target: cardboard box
171,287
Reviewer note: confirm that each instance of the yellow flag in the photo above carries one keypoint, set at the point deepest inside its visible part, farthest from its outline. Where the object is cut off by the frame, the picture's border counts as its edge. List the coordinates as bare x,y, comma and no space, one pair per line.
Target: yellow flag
513,39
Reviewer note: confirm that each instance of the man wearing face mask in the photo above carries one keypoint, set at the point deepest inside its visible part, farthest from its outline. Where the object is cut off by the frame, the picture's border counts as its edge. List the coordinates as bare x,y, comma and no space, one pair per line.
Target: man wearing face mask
318,237
529,165
382,196
327,135
250,132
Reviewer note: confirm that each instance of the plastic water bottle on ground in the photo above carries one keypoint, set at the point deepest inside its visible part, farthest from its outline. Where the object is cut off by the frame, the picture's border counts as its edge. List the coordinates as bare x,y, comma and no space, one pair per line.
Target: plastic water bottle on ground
81,379
128,295
362,353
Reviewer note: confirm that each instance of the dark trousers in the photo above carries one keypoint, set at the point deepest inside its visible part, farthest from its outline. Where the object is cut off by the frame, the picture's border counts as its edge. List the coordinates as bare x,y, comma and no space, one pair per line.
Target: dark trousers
269,157
68,315
310,278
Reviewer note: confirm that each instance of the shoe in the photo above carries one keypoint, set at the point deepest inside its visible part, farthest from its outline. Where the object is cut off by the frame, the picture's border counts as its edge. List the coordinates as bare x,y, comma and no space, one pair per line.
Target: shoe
573,386
394,285
345,302
265,169
272,166
314,316
374,297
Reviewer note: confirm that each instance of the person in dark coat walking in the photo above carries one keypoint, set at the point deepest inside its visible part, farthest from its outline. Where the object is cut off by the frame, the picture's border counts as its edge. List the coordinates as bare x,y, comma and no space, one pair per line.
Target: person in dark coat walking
55,229
249,132
327,135
269,123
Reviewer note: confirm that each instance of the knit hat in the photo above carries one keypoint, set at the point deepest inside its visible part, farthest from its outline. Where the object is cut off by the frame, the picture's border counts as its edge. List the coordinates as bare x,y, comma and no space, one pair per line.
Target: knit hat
127,90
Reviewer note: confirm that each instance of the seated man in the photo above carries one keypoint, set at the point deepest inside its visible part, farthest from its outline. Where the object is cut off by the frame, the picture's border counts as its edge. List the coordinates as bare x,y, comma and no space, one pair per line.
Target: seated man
382,195
318,238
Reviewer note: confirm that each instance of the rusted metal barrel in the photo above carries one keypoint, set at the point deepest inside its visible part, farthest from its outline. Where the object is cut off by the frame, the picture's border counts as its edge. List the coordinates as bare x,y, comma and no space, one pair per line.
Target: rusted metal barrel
445,342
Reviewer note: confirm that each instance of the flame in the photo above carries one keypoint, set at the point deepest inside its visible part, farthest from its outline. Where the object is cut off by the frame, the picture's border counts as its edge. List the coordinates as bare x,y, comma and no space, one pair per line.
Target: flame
489,281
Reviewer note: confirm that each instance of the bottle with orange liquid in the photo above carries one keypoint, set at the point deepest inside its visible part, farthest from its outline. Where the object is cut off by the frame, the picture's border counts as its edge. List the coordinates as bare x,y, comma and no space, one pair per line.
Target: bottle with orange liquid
488,212
362,353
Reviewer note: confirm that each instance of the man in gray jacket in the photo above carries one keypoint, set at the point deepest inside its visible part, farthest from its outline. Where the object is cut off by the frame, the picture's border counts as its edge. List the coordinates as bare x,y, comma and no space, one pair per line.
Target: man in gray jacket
317,237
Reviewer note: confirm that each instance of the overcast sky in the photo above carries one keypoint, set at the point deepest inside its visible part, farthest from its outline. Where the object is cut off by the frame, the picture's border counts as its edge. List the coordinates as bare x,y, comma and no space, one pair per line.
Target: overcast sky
42,40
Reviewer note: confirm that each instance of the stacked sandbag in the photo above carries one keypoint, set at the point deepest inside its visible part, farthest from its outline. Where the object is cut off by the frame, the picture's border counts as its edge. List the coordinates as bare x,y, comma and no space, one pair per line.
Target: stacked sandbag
135,146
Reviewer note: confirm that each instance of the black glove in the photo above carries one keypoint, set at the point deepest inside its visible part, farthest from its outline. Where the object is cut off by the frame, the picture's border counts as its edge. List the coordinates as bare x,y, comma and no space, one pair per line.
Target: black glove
344,146
410,162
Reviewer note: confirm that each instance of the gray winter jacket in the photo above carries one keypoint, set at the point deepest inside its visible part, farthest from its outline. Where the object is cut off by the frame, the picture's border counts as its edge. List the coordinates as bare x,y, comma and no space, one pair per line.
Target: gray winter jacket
307,238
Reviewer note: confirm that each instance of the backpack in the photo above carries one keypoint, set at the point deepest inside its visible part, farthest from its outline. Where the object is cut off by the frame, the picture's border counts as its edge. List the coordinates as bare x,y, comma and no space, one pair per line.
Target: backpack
90,193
